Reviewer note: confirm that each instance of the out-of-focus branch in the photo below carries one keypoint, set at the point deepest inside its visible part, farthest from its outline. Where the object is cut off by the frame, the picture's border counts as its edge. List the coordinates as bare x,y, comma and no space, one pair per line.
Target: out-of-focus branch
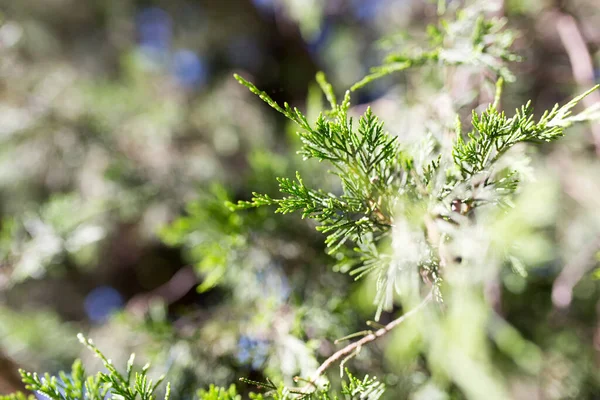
562,289
179,284
579,265
581,63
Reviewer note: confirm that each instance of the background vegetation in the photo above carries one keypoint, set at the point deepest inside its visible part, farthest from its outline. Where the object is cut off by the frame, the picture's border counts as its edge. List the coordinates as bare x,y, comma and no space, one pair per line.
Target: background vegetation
124,133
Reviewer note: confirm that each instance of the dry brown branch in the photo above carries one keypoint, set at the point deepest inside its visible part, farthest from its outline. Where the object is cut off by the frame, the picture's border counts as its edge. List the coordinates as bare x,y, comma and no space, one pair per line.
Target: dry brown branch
355,346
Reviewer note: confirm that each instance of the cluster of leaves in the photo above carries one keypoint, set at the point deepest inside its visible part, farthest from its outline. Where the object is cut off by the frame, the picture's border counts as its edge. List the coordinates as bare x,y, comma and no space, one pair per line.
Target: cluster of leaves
375,175
201,230
419,201
133,385
77,385
381,181
364,159
374,170
477,155
494,133
368,163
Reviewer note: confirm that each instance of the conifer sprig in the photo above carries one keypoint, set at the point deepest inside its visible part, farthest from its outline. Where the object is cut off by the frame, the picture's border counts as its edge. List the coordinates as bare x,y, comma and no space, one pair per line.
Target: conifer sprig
378,176
365,158
469,39
77,386
132,385
494,133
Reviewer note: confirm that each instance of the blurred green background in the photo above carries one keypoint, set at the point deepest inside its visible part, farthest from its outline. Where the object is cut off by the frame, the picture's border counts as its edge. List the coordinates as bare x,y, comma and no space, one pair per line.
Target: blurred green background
123,132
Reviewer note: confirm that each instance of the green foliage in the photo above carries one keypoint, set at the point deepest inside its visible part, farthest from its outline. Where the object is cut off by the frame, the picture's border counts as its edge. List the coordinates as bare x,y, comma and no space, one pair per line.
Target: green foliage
352,389
77,385
214,235
467,38
411,218
400,210
218,393
365,160
494,133
17,396
132,385
378,179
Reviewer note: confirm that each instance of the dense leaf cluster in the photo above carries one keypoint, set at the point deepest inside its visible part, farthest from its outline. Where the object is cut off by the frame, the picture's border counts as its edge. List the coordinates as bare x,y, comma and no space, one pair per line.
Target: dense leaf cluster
378,178
136,385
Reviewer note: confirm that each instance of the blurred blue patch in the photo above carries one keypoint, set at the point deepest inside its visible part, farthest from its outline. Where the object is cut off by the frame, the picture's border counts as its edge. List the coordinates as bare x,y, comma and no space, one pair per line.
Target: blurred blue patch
252,351
318,41
101,302
366,9
188,68
154,29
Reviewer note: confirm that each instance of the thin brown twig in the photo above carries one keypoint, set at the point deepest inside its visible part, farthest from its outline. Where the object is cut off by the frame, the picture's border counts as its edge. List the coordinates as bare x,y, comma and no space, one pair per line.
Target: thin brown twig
581,63
170,292
355,346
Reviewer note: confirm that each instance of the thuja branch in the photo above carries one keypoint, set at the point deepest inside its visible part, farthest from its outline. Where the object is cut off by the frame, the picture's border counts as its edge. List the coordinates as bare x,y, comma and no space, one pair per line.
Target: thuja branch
355,346
365,158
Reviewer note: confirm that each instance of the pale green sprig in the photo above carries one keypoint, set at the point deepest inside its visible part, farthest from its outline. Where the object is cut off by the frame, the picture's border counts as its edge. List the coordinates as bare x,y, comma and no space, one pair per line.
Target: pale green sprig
494,133
379,176
78,386
469,39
